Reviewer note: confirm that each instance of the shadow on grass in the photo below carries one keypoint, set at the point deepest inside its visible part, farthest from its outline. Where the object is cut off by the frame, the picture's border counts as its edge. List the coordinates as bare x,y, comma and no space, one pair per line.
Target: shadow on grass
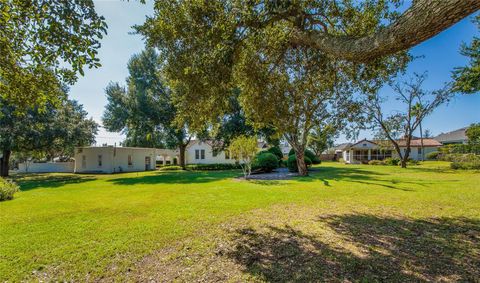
182,177
36,181
361,176
364,248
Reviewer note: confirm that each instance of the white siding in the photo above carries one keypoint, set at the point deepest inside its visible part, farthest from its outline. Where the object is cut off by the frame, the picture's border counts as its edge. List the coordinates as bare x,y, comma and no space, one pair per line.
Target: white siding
190,157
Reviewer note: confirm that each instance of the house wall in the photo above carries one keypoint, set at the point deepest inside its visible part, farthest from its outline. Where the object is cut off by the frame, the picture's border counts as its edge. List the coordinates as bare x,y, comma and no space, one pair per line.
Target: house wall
209,158
120,160
114,159
413,153
49,167
91,159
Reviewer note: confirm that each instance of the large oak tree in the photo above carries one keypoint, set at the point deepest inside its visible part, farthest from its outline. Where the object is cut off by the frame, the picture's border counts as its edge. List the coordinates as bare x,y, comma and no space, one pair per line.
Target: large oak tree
203,40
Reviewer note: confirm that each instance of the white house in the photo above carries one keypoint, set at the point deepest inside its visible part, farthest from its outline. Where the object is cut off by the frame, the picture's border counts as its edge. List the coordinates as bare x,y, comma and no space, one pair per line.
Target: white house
110,159
365,150
202,152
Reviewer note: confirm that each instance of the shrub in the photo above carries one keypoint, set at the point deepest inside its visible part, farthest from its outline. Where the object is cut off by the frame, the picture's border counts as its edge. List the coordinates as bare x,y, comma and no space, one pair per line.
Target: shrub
309,154
292,163
276,151
265,161
213,167
376,162
412,162
7,189
465,161
432,155
392,161
341,160
170,168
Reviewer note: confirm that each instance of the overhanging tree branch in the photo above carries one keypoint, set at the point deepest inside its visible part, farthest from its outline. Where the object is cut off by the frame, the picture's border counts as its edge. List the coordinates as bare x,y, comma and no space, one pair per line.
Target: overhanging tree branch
423,20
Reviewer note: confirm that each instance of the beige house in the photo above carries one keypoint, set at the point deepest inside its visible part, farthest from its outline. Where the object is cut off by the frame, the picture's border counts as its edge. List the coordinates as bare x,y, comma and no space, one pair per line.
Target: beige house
110,159
365,150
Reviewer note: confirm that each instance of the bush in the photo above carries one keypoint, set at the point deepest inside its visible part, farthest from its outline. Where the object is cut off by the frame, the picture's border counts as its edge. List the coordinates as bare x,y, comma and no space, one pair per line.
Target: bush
309,154
376,162
292,163
170,168
432,155
265,161
276,151
341,160
213,167
465,161
7,189
392,161
412,162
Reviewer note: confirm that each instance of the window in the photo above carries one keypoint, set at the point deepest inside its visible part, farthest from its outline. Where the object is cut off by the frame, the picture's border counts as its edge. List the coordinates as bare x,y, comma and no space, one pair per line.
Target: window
227,154
214,153
197,154
100,160
130,162
84,161
202,154
419,150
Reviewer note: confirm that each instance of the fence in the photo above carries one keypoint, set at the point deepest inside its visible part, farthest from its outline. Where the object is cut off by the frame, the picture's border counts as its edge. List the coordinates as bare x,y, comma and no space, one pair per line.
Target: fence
49,167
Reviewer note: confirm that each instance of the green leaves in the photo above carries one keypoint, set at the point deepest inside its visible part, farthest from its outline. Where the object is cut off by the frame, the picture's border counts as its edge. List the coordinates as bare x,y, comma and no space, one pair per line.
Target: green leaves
42,39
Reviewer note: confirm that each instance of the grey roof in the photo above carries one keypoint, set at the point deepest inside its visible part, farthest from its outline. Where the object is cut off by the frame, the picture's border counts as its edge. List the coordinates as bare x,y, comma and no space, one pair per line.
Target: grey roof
342,146
453,136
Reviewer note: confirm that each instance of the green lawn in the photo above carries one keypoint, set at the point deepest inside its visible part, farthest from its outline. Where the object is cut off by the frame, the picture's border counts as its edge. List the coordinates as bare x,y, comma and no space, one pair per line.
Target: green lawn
344,222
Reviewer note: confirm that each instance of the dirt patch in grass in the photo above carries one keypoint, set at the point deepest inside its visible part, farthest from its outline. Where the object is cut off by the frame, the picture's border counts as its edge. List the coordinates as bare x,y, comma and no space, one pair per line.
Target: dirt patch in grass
302,244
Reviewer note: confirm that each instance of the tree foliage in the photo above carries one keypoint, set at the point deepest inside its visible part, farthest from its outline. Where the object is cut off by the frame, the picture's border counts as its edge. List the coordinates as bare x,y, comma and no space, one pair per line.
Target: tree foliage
43,41
417,104
473,134
204,42
144,110
467,79
47,132
243,149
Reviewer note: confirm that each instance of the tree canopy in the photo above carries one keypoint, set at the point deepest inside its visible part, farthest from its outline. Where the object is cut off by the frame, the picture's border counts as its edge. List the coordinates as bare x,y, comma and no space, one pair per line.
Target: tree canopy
43,41
50,131
467,78
203,42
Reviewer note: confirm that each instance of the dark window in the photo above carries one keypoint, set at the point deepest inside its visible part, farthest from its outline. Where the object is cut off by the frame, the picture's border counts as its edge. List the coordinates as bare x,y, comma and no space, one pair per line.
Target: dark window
197,154
100,160
227,154
130,162
84,161
214,153
419,150
202,153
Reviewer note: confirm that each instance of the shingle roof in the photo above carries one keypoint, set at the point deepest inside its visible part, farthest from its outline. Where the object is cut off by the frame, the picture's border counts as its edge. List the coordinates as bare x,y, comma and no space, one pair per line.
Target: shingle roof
457,135
418,142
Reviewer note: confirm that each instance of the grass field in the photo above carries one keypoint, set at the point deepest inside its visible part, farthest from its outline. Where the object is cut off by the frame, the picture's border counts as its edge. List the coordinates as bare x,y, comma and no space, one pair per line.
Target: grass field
344,222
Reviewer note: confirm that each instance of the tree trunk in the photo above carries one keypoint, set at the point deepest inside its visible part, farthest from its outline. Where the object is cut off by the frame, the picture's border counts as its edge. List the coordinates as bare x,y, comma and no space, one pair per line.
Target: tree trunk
423,20
302,167
405,156
421,142
182,149
5,163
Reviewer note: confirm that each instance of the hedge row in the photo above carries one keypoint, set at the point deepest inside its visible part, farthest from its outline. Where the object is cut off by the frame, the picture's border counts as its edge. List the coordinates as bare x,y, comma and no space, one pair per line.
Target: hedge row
212,167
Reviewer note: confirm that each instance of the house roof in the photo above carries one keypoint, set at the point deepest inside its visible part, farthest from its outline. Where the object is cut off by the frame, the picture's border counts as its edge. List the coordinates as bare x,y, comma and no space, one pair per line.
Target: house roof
457,135
342,146
418,142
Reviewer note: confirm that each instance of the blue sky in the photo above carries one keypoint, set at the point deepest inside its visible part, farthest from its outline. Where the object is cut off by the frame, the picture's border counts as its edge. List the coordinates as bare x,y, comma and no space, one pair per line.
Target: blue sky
440,56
